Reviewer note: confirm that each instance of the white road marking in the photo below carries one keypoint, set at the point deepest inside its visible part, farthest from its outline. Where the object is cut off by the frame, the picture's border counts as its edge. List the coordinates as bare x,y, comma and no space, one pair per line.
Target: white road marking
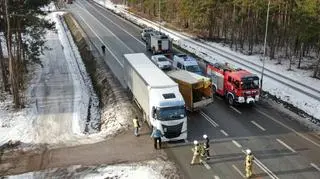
282,124
209,119
114,35
259,126
286,145
114,56
216,177
235,109
118,26
206,165
236,143
224,132
315,166
237,169
265,169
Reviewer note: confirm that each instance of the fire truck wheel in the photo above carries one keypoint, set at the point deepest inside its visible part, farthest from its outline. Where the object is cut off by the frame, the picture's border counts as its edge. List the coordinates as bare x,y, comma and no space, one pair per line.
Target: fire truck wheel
230,100
214,90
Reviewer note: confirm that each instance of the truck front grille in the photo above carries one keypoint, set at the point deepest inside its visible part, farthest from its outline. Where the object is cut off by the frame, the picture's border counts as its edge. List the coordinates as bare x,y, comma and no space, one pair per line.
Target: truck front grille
172,131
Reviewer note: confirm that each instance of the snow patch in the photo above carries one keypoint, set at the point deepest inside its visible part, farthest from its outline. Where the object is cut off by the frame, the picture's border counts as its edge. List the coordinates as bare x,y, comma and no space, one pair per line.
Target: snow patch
154,169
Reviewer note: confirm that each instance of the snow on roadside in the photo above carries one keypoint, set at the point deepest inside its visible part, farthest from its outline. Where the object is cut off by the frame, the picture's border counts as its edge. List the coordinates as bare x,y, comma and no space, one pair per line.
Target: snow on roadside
88,97
18,125
309,105
153,169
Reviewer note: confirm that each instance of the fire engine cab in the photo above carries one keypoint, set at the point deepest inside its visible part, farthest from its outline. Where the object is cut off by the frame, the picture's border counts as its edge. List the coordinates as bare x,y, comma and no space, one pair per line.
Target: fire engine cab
237,85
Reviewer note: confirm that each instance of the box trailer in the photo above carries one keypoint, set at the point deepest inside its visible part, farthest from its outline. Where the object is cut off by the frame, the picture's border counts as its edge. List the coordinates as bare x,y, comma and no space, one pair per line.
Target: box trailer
195,89
157,95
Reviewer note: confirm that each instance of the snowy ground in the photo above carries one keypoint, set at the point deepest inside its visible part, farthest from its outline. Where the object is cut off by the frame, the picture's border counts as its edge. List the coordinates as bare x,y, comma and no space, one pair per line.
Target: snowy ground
57,97
309,105
154,169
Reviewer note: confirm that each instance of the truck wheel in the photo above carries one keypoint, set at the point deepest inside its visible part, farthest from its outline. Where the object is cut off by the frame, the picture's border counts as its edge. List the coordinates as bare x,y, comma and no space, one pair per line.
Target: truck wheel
214,90
230,100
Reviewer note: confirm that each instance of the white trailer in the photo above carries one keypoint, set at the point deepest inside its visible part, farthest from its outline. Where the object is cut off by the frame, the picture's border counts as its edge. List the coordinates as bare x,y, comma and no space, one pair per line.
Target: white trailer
157,95
158,43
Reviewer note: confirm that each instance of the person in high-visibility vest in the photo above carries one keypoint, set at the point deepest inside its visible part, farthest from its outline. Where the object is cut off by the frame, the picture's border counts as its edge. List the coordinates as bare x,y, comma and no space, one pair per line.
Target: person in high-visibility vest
206,146
196,153
136,126
249,163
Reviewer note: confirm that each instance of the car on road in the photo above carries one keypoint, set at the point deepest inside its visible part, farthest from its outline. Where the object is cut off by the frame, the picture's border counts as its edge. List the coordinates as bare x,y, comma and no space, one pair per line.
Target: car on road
145,32
161,61
186,62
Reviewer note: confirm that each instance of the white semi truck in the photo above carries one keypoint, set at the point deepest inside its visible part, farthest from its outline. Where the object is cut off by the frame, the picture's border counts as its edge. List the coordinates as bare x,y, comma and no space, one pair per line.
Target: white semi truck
157,95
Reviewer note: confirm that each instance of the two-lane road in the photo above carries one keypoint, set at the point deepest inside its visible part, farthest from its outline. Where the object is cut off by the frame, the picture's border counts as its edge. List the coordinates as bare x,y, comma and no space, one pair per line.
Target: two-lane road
283,148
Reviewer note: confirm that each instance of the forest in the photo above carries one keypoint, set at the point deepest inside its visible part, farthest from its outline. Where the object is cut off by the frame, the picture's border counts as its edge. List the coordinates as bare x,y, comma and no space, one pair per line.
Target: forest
22,30
293,25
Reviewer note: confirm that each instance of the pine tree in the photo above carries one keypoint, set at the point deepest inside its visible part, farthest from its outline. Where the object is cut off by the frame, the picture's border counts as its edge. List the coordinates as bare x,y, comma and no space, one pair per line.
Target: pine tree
24,27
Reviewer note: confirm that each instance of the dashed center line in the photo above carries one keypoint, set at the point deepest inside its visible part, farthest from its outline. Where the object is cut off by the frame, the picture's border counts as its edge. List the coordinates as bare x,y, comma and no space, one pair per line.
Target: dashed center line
286,145
237,169
114,56
236,143
224,132
287,127
315,166
259,126
235,109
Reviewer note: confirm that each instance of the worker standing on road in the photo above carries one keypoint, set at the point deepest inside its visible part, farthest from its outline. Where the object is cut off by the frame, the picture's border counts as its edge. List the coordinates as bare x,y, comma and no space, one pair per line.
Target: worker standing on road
136,126
103,49
206,146
248,163
156,134
196,153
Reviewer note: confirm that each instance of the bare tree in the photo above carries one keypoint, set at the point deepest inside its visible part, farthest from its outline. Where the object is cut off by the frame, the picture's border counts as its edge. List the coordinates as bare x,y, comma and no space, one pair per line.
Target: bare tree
12,62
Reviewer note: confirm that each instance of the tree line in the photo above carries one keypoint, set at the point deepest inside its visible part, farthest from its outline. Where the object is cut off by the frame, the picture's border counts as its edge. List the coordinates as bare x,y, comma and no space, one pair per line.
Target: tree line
293,28
22,30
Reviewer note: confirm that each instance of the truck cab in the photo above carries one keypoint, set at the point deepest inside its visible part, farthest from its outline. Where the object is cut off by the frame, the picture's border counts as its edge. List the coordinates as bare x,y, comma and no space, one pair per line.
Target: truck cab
146,32
185,62
168,113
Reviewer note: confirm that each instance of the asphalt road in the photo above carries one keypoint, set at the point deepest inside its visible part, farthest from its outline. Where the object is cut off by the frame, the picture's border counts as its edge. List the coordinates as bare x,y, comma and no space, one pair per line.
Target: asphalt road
282,146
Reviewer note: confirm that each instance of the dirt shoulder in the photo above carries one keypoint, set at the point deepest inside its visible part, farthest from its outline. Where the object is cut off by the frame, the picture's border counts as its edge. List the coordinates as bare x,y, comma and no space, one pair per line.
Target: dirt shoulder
124,148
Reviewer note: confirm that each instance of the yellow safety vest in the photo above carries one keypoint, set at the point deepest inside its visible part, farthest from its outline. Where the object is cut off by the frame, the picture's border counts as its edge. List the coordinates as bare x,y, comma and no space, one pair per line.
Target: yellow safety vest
196,150
135,123
249,160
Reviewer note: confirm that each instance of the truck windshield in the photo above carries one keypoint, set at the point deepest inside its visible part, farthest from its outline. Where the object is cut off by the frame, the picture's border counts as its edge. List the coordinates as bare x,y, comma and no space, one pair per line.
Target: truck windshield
193,68
250,83
171,113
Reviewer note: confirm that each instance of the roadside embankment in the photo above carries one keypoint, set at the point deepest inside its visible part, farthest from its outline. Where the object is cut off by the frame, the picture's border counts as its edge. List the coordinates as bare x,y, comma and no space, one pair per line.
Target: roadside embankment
116,107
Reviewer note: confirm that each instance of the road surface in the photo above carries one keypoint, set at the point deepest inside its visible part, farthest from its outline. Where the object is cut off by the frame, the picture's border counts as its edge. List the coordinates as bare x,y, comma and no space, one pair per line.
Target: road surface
282,146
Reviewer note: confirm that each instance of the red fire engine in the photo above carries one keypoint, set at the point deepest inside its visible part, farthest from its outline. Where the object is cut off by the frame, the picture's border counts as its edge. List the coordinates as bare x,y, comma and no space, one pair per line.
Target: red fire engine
237,85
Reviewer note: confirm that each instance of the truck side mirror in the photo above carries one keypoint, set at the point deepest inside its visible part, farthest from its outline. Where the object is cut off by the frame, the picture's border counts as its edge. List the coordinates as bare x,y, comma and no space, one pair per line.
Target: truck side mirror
153,112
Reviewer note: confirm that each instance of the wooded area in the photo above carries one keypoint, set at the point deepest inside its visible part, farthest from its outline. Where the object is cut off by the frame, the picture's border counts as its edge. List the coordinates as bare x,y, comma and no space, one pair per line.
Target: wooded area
22,30
293,28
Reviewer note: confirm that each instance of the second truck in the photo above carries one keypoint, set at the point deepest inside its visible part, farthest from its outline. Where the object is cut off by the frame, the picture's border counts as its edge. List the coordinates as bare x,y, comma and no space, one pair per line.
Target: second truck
195,89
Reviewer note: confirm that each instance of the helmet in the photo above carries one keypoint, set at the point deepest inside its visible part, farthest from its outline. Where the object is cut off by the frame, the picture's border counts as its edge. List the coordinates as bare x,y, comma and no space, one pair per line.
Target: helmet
205,136
248,151
195,142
